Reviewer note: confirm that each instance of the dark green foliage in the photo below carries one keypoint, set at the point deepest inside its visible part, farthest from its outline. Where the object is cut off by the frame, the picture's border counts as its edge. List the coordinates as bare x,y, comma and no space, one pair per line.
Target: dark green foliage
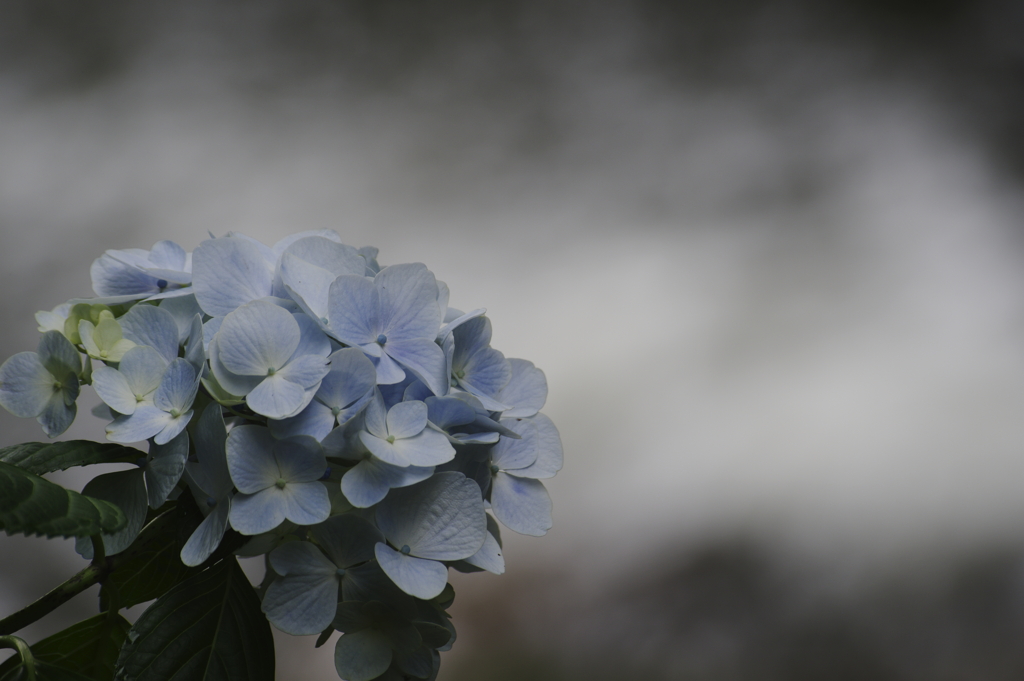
46,457
206,628
31,505
43,672
90,648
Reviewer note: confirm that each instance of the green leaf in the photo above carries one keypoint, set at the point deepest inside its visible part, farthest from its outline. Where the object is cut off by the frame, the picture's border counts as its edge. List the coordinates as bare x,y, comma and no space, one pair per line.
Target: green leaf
154,565
206,628
46,457
31,505
89,647
44,672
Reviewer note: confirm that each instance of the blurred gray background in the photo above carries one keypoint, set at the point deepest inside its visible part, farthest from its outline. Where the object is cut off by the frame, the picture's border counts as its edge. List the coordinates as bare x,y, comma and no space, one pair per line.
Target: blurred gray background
769,253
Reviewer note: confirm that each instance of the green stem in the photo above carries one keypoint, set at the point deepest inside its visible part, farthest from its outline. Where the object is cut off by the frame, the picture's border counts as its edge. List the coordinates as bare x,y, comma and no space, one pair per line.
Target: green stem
93,574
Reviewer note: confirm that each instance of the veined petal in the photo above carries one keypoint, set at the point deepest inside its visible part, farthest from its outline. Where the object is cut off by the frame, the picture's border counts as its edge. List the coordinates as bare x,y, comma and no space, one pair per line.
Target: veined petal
257,338
228,273
306,503
489,556
127,491
276,397
25,385
211,471
526,391
58,414
178,387
304,598
424,358
169,256
164,468
231,382
549,450
153,326
174,427
257,513
143,369
428,448
376,416
415,576
408,302
449,412
305,370
362,655
250,459
347,539
366,483
182,309
406,419
113,389
350,377
521,504
510,454
383,450
316,420
300,459
58,355
110,277
354,310
146,422
388,371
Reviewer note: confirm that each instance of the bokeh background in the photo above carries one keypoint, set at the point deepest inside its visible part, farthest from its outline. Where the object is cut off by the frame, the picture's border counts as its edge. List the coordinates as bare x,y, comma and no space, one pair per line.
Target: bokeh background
769,253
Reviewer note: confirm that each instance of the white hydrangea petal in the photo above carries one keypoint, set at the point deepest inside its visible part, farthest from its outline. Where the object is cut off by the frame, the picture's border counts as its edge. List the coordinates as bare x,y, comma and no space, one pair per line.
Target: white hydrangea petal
407,419
303,600
408,302
153,326
164,468
113,389
228,273
424,358
428,448
257,513
143,369
284,244
417,577
354,310
175,425
549,450
256,338
195,352
177,388
521,504
169,256
229,381
250,459
441,518
182,309
146,422
207,537
25,385
489,556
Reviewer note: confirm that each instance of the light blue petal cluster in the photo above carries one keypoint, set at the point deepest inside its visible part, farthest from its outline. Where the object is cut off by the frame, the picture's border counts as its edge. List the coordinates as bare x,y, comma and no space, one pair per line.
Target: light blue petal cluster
43,384
137,274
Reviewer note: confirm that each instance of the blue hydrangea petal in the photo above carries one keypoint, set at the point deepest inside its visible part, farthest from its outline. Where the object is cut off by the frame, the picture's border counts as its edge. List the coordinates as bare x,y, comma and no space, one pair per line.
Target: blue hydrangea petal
170,256
383,450
526,391
306,370
164,468
210,472
58,414
113,389
417,577
316,420
549,450
153,326
177,388
276,397
228,273
195,353
182,309
306,503
175,425
126,490
58,355
388,371
354,307
112,278
476,438
25,385
510,454
450,326
376,416
406,419
408,302
428,448
250,458
300,459
366,483
347,539
207,537
257,513
424,358
362,655
257,338
441,518
303,600
489,556
351,377
443,296
310,265
230,381
146,422
449,412
143,369
521,504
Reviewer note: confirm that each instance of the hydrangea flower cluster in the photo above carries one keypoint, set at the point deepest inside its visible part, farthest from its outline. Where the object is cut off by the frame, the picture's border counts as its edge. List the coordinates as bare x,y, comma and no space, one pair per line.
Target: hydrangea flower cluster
339,415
